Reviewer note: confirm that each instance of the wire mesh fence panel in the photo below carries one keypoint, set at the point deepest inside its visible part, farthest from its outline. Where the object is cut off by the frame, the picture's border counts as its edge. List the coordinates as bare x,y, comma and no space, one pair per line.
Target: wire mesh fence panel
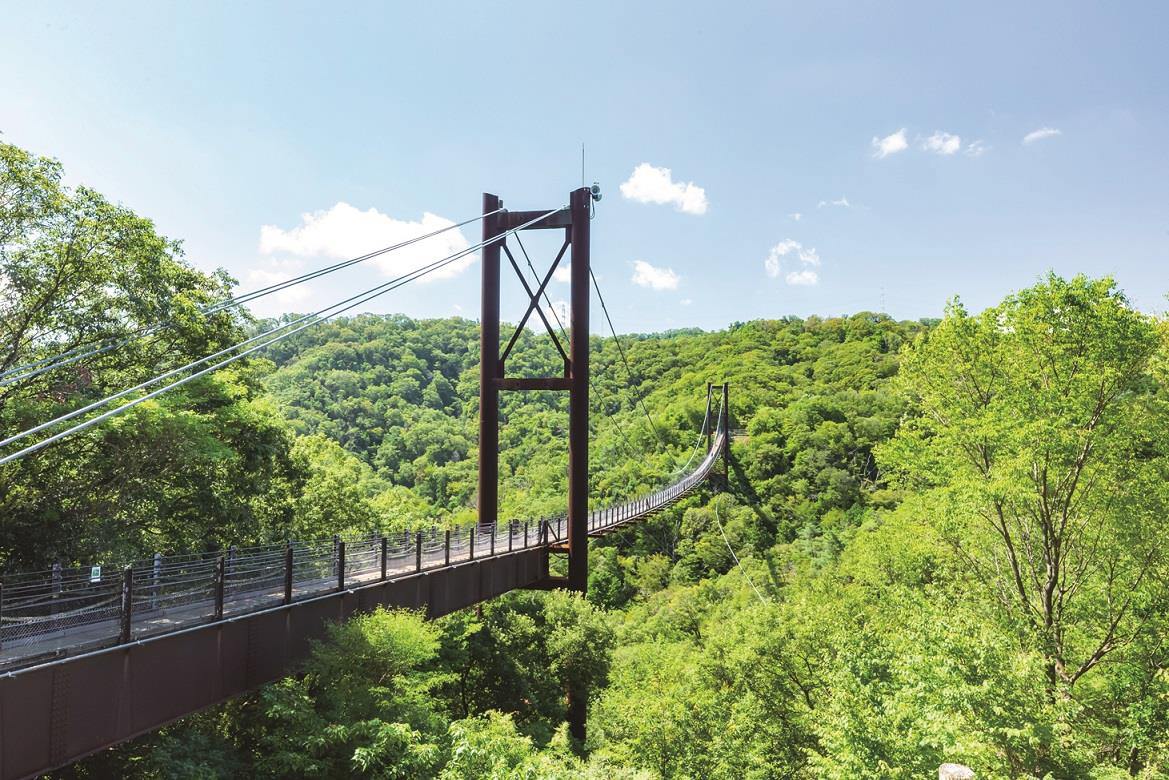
68,606
363,559
57,605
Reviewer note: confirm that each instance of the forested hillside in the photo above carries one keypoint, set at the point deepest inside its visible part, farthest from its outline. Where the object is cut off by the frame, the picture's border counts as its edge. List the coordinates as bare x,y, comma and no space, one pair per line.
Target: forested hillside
941,541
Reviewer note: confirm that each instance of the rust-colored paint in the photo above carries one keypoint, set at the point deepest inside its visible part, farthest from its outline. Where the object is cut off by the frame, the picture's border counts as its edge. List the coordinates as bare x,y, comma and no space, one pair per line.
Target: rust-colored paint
56,713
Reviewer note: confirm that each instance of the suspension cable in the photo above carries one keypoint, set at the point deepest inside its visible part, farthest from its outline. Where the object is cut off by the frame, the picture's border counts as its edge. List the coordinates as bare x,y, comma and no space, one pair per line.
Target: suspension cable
38,367
701,435
624,439
621,350
308,321
746,576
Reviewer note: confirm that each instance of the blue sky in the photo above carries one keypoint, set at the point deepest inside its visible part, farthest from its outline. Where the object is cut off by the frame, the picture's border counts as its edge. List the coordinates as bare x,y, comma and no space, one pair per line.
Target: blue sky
219,119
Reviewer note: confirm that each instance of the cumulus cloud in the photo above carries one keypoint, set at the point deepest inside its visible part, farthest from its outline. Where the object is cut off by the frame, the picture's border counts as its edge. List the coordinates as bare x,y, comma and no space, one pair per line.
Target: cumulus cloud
563,273
344,231
273,272
942,142
801,278
976,148
841,201
646,275
797,216
685,301
649,184
804,274
1041,134
558,310
890,144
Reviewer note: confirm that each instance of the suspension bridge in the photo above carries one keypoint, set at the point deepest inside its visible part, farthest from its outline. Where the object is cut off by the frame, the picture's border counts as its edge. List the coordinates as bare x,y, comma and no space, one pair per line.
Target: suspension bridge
93,655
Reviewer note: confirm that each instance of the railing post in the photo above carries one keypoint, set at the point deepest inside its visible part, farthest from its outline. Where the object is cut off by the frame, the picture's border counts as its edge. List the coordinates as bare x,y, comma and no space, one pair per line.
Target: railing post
217,581
336,542
56,587
526,534
340,564
471,541
418,551
385,555
230,567
446,560
155,578
127,603
288,572
1,614
510,533
494,531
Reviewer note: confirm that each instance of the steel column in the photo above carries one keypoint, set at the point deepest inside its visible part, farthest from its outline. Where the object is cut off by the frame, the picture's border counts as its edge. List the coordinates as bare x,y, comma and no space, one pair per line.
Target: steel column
218,581
489,369
127,604
580,205
707,423
726,426
288,573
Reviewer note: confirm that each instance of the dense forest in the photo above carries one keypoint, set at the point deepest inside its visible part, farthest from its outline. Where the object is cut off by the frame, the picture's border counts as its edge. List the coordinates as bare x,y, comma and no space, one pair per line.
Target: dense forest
940,541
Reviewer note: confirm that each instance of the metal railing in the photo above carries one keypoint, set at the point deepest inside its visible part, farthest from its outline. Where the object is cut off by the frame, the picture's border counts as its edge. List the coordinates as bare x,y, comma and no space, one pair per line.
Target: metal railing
67,609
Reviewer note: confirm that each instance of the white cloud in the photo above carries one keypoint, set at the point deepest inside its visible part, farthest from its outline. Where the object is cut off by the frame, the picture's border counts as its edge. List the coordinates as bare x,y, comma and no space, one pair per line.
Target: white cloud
274,272
685,301
552,312
797,216
808,257
803,278
646,275
558,309
890,144
841,201
344,232
1040,134
942,142
649,184
976,148
563,273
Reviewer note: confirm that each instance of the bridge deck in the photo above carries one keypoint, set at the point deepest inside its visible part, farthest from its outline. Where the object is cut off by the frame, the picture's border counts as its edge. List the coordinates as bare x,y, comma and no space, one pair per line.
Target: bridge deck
73,689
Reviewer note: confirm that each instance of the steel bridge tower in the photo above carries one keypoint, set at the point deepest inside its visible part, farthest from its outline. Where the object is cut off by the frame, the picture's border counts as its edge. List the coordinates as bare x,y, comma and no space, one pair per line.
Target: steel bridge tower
574,221
575,380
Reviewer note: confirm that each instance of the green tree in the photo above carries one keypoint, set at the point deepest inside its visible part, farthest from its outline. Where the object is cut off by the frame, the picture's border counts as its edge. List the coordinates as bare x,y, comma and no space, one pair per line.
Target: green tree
1040,446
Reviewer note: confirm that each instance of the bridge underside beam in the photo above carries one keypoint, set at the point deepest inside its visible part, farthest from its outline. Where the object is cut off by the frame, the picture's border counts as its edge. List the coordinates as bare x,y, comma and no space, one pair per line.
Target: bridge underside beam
56,713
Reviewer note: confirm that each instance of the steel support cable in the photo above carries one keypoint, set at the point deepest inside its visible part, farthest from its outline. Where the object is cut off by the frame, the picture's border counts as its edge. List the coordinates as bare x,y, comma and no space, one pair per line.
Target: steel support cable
173,372
308,321
564,333
698,442
747,577
38,367
621,350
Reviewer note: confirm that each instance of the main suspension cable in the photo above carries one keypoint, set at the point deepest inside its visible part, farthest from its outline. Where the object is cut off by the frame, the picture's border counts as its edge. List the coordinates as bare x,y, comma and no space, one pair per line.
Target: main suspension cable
38,367
621,350
308,320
